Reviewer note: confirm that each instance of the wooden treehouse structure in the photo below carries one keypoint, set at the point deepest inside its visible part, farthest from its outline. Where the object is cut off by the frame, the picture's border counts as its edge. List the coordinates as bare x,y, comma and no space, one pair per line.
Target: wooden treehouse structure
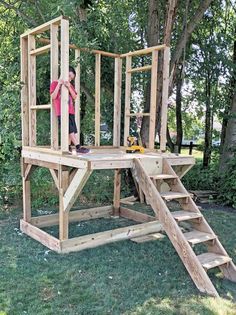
157,174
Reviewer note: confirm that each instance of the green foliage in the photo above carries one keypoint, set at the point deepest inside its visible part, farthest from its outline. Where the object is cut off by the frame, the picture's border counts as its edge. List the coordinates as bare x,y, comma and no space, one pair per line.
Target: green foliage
227,187
199,178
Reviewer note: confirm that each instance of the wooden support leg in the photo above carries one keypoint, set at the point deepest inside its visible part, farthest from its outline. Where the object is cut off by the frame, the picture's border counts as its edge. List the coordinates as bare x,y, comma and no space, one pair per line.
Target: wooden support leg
26,170
63,215
117,185
26,200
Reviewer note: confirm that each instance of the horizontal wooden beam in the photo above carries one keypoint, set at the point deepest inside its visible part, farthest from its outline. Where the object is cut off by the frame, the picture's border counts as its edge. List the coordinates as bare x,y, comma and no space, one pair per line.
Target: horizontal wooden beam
101,238
144,51
74,216
111,164
40,50
53,156
41,236
72,46
140,69
44,27
40,163
135,215
36,107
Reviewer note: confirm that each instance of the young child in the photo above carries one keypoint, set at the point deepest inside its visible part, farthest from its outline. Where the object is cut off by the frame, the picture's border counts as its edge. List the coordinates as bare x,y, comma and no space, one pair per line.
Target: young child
55,91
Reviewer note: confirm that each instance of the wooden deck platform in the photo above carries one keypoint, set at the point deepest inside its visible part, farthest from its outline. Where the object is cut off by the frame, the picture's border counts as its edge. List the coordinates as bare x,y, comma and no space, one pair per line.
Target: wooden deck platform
99,158
70,173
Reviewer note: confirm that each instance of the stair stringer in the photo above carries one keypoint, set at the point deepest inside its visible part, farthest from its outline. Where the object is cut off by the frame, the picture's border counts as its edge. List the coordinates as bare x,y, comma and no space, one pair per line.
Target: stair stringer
229,270
184,250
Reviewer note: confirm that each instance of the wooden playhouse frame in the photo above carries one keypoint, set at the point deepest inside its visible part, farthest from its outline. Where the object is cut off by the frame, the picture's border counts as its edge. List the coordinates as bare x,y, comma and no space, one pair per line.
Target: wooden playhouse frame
70,173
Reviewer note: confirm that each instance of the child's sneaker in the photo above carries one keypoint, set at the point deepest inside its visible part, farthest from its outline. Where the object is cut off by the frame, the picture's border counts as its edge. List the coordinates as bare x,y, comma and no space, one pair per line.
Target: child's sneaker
81,150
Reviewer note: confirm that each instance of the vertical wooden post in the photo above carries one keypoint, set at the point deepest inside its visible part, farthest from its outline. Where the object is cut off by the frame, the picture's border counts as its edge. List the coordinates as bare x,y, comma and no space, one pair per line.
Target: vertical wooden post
153,100
127,98
32,90
164,106
26,193
54,76
77,88
63,215
117,102
24,91
117,186
64,90
97,98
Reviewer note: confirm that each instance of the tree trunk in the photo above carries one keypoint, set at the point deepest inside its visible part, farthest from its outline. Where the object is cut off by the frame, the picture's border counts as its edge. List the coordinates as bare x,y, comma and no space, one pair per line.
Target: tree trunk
208,124
153,38
170,17
230,134
184,38
178,109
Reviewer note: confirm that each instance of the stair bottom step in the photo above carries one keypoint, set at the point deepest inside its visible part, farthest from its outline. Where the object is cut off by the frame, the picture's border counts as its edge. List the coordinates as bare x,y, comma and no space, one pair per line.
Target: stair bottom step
212,260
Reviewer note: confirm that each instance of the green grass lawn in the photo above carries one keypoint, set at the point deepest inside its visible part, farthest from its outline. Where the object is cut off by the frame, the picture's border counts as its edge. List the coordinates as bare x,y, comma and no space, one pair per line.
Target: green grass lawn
119,278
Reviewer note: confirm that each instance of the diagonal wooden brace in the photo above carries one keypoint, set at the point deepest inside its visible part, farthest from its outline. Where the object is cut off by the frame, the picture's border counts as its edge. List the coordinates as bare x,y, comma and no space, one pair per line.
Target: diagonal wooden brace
75,187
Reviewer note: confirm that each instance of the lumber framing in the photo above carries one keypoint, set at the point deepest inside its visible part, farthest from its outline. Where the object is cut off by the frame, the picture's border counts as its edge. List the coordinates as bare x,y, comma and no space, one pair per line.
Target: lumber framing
117,187
64,90
127,98
74,216
29,52
54,55
166,61
77,88
24,90
153,100
97,98
117,102
32,90
102,238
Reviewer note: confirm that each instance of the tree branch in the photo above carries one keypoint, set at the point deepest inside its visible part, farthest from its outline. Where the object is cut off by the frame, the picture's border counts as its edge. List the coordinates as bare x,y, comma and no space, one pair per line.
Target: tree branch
185,37
22,15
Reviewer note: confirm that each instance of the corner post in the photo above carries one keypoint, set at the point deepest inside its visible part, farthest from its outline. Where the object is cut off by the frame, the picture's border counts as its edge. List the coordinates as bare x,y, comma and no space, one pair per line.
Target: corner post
54,76
153,100
77,88
63,215
24,91
117,186
32,91
127,98
97,98
117,102
64,90
26,192
164,107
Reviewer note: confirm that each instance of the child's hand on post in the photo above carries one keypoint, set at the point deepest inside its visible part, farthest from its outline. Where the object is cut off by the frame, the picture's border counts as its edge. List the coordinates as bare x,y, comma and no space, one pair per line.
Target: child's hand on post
67,84
60,81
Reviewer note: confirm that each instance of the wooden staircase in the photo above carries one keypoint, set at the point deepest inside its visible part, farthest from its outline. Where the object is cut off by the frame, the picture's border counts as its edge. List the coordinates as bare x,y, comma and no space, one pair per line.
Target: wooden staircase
200,232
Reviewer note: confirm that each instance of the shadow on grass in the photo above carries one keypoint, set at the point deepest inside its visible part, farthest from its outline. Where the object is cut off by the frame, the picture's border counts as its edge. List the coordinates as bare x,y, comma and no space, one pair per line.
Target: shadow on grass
119,278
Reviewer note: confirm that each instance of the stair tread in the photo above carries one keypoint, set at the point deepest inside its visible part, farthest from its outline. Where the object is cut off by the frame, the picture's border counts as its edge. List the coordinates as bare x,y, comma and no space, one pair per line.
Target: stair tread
163,176
173,195
196,237
185,215
212,260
